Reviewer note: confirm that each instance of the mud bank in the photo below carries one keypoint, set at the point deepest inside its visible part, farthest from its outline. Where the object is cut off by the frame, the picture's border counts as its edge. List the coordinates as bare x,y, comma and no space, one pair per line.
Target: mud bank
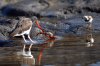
58,16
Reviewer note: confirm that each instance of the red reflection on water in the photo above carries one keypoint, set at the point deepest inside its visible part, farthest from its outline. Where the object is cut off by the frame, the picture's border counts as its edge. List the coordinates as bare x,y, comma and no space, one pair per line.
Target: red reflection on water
50,43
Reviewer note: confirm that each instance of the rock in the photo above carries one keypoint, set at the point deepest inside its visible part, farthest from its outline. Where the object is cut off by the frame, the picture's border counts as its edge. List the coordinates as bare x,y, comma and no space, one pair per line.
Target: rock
75,25
6,26
67,9
24,8
6,2
2,37
51,8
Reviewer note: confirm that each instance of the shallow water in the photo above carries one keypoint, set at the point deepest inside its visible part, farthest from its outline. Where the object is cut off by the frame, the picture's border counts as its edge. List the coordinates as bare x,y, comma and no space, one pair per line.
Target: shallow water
70,51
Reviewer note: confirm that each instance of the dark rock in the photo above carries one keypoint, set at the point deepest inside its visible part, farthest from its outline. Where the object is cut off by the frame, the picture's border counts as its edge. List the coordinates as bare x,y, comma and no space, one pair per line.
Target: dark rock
6,26
51,8
75,25
24,8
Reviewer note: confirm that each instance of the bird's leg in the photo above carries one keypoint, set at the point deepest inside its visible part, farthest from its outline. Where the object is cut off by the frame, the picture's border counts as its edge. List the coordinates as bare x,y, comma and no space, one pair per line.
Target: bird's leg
30,47
30,38
29,50
24,38
24,49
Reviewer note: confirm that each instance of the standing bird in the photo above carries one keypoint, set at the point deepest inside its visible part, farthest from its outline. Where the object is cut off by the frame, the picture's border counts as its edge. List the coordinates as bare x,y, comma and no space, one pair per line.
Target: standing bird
88,20
23,29
89,38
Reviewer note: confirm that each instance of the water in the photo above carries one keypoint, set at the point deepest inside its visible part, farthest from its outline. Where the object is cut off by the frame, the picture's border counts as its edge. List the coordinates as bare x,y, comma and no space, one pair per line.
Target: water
70,51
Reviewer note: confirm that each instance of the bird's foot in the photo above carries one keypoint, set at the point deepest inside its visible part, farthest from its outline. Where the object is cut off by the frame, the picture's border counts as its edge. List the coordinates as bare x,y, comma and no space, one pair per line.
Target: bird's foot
25,54
21,53
28,54
89,44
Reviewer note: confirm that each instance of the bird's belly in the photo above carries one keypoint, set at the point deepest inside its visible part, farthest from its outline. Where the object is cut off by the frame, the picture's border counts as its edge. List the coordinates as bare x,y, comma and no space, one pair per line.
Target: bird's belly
24,32
17,34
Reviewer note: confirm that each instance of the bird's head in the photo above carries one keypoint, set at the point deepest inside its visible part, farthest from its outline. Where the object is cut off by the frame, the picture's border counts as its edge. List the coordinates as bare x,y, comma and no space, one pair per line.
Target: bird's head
50,35
34,18
88,19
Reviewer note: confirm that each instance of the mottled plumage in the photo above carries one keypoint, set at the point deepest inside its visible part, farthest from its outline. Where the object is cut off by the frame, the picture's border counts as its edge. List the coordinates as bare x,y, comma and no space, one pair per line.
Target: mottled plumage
23,25
23,28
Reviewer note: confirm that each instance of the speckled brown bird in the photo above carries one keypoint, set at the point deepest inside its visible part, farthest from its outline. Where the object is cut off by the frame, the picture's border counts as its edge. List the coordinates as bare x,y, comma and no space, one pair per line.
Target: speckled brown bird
23,28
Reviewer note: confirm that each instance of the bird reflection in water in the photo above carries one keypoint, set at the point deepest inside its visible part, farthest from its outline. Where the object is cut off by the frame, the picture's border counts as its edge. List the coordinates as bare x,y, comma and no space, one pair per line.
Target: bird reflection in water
49,44
31,60
27,61
89,40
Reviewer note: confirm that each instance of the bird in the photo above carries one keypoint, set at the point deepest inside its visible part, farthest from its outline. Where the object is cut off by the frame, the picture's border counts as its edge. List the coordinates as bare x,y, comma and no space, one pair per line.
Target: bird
89,21
23,29
49,45
49,35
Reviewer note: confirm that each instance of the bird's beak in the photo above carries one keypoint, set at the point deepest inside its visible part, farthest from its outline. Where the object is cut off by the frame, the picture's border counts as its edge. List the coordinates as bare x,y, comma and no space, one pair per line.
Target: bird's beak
38,25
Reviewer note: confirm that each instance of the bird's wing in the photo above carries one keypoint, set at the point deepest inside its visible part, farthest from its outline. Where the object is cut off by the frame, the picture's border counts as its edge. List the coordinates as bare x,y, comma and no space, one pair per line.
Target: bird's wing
23,25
